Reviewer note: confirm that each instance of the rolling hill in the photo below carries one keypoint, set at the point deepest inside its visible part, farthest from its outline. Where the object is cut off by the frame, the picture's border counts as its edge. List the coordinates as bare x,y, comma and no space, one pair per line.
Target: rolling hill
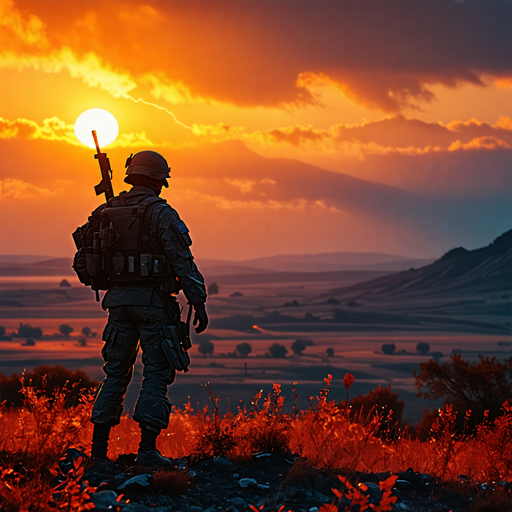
487,270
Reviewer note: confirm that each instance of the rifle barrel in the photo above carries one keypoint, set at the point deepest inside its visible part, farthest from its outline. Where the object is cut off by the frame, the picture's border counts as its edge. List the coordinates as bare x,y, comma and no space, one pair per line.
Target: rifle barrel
95,137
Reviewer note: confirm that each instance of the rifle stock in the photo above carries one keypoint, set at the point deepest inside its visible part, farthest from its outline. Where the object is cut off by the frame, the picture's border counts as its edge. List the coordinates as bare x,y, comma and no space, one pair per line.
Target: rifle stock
105,185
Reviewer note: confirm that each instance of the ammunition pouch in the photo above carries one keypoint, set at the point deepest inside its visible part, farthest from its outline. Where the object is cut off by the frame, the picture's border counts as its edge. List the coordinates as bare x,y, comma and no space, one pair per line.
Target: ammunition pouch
174,347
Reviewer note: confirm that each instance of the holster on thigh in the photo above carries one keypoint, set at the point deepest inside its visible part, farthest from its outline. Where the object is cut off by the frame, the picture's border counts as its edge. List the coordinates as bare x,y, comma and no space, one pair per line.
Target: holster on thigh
174,348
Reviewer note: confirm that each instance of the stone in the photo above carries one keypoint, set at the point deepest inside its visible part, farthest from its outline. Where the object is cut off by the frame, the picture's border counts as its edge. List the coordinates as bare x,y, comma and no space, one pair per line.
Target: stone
247,482
66,463
138,482
104,499
238,501
222,464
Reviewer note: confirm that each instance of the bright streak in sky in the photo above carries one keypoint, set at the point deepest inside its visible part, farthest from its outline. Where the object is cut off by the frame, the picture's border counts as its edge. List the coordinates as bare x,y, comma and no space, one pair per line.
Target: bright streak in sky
100,120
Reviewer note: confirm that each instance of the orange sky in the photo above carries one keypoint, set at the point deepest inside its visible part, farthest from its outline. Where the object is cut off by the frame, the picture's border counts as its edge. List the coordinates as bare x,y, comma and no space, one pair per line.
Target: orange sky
308,127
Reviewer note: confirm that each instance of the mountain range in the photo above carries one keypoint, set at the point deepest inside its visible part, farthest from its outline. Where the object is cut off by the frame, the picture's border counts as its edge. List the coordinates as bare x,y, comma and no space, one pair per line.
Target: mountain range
487,270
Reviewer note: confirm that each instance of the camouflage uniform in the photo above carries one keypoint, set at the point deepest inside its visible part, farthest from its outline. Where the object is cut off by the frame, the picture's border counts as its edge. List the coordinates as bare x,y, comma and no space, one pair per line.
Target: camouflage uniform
141,311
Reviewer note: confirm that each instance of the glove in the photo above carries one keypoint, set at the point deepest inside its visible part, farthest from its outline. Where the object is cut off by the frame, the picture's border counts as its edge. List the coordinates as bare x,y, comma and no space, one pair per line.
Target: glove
200,317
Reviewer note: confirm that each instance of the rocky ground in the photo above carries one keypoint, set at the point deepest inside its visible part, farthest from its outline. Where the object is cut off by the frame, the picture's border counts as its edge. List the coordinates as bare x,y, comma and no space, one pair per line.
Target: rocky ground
273,482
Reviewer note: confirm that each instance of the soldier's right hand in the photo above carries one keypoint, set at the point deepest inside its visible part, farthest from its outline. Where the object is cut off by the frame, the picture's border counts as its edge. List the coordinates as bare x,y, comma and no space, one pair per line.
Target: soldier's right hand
200,317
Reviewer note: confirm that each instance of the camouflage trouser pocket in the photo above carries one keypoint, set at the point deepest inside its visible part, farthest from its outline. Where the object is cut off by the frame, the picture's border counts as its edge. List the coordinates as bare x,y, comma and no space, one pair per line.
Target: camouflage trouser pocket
151,343
109,335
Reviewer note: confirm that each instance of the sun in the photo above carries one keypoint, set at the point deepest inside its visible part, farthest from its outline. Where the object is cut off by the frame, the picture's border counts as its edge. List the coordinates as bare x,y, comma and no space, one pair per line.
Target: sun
100,120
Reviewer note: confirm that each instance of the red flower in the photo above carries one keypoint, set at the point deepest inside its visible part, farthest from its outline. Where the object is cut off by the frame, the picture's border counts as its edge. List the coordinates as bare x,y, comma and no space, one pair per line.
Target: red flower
348,380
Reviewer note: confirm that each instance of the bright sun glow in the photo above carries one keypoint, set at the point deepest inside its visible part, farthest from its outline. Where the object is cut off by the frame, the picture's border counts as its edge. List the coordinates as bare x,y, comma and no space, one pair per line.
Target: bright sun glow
100,120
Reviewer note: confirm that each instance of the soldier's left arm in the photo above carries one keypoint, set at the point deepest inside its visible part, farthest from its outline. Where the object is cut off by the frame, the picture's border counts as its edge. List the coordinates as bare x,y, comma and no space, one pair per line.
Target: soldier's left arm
180,256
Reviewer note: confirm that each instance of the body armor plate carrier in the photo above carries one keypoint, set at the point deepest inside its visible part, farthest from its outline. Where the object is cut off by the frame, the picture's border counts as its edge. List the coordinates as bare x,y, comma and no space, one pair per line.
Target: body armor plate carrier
118,248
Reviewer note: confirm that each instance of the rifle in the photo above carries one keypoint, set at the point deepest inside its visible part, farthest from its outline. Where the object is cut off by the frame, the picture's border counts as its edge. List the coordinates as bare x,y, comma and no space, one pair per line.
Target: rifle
105,185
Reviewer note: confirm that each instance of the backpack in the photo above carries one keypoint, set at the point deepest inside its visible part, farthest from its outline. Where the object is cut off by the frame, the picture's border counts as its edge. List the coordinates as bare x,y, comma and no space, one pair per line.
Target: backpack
115,246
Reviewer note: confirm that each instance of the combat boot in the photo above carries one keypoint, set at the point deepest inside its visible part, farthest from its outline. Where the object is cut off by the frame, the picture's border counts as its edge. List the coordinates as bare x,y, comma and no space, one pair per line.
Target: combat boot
148,455
99,447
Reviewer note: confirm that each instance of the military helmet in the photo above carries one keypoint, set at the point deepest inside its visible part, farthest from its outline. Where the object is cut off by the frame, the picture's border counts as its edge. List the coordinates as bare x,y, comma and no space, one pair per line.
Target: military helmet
149,163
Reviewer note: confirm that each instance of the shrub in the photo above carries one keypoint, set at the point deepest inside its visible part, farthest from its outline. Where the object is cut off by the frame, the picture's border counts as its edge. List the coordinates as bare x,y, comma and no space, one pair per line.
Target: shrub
244,349
483,385
213,289
27,331
65,329
299,345
45,380
278,350
423,348
330,352
379,402
436,356
64,284
206,348
388,348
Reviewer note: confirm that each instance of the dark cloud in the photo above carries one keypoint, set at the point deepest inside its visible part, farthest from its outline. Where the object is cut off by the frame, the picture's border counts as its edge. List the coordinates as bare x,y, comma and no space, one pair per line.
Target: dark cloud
385,53
399,132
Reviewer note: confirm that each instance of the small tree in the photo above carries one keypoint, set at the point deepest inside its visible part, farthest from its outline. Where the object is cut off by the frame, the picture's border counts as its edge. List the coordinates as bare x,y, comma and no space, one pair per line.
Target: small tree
388,348
86,331
2,331
65,329
206,348
436,356
481,386
244,349
299,345
330,352
213,289
380,401
423,348
278,350
64,284
27,331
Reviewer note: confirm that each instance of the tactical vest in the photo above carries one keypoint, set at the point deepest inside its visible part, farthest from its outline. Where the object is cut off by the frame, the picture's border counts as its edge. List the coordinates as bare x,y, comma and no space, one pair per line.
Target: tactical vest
118,248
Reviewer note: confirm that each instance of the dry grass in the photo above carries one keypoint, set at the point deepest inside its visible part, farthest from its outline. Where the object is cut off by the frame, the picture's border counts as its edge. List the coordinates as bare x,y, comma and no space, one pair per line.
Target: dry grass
36,436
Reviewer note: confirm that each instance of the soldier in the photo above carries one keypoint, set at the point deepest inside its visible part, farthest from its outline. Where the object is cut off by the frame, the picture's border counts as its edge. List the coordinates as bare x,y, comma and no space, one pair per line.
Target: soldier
149,260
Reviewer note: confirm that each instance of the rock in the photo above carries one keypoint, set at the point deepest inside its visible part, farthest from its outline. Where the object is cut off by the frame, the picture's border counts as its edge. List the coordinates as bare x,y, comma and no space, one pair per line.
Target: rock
66,463
137,507
238,501
247,482
222,464
137,483
104,499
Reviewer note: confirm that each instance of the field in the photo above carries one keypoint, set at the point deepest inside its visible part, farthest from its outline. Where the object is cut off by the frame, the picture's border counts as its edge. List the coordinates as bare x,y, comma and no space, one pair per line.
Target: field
245,311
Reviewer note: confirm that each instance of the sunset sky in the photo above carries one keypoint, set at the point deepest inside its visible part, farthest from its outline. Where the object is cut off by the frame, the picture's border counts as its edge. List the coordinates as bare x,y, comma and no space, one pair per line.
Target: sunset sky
299,126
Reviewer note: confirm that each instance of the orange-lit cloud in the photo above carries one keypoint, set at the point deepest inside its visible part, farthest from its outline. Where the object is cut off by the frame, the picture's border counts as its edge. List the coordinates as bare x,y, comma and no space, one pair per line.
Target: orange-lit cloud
54,129
17,189
263,53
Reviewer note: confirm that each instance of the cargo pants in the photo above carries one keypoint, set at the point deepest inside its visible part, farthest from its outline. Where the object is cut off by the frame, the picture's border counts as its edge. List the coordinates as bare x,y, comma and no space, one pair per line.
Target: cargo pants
126,326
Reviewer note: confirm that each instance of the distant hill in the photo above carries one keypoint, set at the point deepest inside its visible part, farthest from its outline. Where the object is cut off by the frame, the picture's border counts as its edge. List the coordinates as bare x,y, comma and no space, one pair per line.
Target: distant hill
12,265
49,267
321,262
485,270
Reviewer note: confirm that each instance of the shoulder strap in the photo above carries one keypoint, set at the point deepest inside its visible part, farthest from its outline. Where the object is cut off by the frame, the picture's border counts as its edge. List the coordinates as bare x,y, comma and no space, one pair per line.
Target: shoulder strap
145,212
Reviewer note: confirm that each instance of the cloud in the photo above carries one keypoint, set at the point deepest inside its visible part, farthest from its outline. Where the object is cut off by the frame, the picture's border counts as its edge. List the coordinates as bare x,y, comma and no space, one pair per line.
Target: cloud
54,129
17,189
393,133
479,143
383,55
